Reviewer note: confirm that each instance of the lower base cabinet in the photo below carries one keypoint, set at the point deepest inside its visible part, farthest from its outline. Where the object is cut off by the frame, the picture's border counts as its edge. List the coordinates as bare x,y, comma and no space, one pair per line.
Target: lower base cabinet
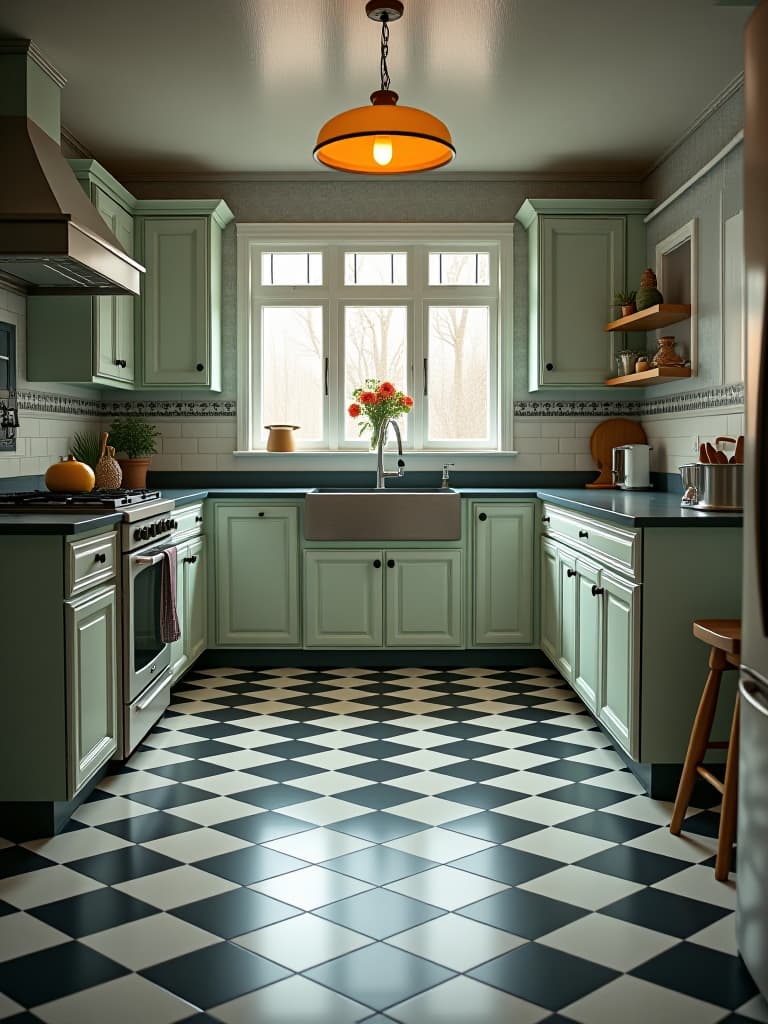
256,577
191,604
503,578
382,598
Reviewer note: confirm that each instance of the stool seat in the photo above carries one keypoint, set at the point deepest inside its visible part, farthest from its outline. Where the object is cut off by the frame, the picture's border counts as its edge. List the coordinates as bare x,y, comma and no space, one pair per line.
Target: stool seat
723,636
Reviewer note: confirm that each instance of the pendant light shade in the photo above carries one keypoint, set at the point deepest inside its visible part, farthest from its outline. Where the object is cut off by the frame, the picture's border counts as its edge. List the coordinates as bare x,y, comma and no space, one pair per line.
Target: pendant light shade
384,138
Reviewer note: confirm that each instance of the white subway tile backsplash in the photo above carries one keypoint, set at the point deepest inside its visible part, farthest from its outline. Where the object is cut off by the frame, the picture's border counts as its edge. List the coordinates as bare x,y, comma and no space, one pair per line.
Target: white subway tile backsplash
198,462
198,428
558,428
215,445
182,445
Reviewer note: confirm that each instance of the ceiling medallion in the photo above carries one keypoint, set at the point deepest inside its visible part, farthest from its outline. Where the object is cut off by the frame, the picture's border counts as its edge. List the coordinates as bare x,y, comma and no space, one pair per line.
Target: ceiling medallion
384,138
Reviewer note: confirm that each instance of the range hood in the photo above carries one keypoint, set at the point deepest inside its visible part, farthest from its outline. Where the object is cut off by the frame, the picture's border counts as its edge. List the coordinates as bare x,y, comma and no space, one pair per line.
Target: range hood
52,240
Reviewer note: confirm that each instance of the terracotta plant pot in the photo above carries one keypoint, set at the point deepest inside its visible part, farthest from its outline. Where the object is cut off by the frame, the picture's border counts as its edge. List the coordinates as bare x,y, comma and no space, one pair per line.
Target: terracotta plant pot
134,472
629,309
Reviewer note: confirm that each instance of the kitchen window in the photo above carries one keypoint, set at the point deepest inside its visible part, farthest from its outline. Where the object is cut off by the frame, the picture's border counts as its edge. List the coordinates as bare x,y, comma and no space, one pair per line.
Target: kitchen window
427,307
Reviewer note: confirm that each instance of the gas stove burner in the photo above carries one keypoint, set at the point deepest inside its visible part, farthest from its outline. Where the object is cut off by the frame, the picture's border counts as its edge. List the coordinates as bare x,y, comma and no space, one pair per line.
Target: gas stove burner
116,498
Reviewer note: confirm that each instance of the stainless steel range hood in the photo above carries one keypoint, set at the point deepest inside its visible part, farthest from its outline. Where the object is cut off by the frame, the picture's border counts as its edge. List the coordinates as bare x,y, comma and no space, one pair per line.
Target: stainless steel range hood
52,240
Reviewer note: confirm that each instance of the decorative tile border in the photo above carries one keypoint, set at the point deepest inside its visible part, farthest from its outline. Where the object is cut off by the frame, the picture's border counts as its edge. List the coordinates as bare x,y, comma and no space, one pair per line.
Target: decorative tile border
682,402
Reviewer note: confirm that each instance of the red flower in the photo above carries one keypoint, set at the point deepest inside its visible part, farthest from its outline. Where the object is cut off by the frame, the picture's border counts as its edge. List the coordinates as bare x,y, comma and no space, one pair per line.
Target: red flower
386,390
369,398
407,400
354,409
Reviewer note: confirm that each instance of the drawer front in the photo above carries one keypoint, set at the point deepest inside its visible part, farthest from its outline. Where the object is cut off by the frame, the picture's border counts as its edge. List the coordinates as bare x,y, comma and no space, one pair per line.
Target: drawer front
89,562
190,519
611,546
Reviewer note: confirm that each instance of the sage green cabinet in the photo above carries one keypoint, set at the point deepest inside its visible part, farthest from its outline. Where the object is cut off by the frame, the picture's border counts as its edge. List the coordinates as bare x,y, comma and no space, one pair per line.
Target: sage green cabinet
180,319
83,338
256,575
191,604
619,691
504,584
580,252
91,684
395,597
558,607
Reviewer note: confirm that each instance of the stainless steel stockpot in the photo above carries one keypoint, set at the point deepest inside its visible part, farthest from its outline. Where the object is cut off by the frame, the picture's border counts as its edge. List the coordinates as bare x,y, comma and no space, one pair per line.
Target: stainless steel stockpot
717,487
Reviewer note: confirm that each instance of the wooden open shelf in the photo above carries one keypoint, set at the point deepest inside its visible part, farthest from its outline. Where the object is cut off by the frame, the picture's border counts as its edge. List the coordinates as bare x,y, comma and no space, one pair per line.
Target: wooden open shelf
650,319
658,375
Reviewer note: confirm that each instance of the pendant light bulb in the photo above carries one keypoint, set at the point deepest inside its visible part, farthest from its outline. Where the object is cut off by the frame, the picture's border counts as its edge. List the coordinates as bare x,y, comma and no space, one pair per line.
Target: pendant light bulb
382,150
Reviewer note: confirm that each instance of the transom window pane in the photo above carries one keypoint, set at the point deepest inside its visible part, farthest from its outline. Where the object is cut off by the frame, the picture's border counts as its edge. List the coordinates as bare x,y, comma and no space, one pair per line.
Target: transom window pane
459,362
292,360
376,268
292,268
375,345
459,268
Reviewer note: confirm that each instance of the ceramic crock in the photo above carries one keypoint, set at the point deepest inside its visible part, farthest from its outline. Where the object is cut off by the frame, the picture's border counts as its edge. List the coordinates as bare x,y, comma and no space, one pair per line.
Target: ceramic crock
281,437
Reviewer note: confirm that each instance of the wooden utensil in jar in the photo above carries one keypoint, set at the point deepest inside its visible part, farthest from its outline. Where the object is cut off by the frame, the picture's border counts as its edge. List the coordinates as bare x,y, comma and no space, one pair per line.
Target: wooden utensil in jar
703,457
738,455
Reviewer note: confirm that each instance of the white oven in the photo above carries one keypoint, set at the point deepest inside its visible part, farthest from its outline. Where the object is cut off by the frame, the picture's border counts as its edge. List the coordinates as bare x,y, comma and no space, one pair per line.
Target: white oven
147,672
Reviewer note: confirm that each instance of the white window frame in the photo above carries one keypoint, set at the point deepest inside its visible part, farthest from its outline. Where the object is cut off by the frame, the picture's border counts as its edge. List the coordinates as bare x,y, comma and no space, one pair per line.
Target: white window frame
252,239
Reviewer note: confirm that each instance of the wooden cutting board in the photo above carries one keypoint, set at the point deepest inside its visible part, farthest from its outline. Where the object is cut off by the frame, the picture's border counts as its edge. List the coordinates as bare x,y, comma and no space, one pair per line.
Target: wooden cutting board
605,437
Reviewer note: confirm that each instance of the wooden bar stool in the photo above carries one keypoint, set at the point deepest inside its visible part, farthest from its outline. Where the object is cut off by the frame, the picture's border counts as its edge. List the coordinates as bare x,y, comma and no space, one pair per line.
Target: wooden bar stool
724,639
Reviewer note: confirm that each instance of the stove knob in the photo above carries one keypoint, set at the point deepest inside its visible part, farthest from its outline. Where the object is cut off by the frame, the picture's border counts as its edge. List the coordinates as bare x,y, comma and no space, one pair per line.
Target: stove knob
137,534
144,532
174,524
167,525
152,529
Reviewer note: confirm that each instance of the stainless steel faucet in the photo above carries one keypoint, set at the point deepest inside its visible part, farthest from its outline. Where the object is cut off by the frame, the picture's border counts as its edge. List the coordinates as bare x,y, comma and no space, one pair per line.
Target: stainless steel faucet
381,474
444,482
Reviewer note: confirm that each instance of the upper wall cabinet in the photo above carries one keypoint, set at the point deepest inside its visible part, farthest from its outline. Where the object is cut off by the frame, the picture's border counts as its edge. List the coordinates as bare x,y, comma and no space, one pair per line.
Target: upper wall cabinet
82,338
179,242
580,253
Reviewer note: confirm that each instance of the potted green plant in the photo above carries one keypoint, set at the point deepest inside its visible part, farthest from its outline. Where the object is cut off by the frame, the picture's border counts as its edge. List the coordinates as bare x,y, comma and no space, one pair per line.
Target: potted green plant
626,302
135,438
86,447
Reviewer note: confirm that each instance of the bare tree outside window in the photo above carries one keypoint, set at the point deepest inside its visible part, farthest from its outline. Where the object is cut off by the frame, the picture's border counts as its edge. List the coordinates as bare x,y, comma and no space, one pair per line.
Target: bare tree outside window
292,360
375,345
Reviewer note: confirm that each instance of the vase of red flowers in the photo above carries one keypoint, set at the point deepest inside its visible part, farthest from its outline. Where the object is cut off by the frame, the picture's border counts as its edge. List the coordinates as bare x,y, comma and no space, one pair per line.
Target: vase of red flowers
377,402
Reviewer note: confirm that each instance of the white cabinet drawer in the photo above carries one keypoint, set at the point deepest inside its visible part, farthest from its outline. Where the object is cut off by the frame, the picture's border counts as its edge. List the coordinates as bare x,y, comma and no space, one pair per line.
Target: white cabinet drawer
612,546
189,519
89,562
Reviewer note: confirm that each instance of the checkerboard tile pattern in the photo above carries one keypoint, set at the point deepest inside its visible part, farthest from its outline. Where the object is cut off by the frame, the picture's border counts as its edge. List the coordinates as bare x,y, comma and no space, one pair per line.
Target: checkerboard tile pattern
346,845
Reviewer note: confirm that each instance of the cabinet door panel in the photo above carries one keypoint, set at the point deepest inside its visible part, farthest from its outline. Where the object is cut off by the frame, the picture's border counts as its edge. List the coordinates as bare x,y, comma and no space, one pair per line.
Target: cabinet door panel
257,585
178,652
114,313
504,583
587,665
176,301
424,599
91,684
621,631
195,602
566,570
550,602
343,603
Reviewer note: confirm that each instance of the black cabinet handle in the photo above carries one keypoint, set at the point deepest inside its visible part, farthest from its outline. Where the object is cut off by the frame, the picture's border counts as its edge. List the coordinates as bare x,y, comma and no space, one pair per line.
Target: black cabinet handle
377,563
100,557
391,563
482,517
596,590
199,367
583,533
261,515
549,366
190,558
570,572
121,363
545,519
198,519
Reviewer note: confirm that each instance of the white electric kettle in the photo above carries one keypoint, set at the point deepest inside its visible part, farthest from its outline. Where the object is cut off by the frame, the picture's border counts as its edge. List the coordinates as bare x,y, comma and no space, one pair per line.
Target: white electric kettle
630,467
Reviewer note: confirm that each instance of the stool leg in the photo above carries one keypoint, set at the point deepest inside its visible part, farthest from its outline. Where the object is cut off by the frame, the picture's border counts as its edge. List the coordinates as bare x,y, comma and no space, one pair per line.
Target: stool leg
727,830
697,745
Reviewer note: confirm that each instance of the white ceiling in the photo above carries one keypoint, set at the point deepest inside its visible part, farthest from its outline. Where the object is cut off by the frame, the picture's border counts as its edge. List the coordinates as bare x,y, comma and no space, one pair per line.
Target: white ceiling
582,86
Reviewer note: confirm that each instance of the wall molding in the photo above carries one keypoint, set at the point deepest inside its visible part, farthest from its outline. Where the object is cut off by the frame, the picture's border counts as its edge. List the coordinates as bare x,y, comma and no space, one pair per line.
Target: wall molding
160,408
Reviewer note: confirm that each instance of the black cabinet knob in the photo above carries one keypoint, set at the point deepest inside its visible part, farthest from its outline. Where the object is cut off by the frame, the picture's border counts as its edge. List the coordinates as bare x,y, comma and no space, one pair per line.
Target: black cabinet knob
583,533
596,590
377,563
198,519
550,366
482,517
101,557
545,519
391,563
199,367
570,572
261,515
191,559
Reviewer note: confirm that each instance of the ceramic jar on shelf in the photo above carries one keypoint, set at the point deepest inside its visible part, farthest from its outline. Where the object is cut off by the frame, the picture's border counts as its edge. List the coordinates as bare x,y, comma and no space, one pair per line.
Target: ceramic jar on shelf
666,355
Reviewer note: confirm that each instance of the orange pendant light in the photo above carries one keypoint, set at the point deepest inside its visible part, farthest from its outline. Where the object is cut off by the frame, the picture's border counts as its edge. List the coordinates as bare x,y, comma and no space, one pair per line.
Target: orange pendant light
384,138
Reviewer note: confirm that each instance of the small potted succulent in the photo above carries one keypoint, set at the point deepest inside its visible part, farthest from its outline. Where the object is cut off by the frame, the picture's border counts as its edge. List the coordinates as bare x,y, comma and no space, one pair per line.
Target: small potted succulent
626,302
135,439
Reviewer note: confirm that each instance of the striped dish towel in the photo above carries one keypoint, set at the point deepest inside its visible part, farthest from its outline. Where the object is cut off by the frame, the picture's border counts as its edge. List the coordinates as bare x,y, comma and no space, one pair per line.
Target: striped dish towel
169,620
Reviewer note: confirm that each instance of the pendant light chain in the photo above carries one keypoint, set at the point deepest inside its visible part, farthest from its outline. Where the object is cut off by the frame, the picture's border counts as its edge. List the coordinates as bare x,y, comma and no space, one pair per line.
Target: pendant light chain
384,52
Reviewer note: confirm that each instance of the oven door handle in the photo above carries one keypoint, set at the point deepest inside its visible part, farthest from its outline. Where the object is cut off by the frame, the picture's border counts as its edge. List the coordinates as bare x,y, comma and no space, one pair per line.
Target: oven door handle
147,559
157,688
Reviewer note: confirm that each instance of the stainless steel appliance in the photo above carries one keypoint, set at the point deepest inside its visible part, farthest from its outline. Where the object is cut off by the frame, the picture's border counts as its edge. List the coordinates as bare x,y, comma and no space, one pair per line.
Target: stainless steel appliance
630,467
713,486
146,532
752,870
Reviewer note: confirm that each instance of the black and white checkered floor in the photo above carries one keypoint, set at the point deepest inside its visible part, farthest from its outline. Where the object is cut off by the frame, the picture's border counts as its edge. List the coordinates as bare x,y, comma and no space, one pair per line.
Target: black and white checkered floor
410,845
